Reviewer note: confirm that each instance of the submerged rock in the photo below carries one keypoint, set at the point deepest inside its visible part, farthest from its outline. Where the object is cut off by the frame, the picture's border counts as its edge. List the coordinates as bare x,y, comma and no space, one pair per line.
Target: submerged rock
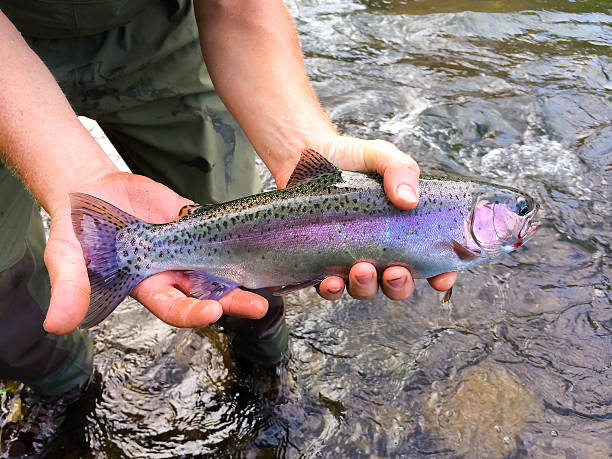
481,411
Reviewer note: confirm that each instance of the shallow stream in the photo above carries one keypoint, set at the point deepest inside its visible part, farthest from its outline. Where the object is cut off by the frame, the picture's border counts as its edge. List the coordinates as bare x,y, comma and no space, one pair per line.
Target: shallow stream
518,364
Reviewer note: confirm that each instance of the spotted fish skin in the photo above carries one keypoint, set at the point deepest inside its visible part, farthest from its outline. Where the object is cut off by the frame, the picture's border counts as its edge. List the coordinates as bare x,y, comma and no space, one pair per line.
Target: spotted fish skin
323,223
316,229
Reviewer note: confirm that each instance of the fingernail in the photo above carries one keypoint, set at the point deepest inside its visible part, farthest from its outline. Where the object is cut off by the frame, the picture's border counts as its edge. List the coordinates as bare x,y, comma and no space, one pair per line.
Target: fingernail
363,279
398,282
407,193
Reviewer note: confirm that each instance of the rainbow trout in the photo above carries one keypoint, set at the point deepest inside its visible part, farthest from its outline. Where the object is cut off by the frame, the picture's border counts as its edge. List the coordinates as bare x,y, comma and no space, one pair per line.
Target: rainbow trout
325,221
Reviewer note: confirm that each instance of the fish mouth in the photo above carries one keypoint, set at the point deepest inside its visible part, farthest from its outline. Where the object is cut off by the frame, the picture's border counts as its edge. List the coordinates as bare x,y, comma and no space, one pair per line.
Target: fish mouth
529,226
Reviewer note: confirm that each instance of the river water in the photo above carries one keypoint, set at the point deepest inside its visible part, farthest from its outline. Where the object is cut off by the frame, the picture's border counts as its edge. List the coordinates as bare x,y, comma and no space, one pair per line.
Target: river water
518,364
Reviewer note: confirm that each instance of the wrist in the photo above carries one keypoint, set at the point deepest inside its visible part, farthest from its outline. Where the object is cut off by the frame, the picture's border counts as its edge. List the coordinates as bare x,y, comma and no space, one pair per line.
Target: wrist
57,201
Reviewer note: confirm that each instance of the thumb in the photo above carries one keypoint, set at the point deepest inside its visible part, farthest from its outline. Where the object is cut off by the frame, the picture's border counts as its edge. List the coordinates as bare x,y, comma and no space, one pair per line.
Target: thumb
399,171
68,274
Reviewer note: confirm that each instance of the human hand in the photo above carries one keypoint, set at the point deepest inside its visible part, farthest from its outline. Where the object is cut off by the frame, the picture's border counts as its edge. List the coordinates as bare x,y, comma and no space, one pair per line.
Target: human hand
164,294
401,182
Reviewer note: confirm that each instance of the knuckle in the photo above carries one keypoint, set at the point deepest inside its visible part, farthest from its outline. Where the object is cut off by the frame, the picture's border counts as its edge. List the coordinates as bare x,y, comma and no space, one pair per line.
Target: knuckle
408,162
177,313
384,145
412,164
189,312
231,304
169,315
389,158
234,302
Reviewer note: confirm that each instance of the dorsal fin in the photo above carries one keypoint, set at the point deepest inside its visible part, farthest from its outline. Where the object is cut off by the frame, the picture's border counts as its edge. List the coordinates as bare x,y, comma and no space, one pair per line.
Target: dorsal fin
310,166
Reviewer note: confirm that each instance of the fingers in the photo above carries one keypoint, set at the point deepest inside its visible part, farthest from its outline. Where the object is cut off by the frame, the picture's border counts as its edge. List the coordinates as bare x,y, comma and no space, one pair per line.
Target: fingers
163,294
245,304
331,288
179,310
68,276
363,281
401,183
399,171
397,283
443,282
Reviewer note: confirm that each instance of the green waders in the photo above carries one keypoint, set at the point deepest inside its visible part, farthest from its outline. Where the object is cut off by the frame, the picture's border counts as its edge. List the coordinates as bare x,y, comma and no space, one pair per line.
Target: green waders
145,83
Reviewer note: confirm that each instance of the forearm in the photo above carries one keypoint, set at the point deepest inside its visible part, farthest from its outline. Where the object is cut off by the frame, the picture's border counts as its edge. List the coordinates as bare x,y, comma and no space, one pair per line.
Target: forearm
254,58
40,135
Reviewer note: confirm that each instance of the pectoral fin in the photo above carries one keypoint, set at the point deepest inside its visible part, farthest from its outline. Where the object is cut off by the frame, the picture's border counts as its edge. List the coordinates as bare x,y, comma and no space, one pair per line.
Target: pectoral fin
294,288
463,252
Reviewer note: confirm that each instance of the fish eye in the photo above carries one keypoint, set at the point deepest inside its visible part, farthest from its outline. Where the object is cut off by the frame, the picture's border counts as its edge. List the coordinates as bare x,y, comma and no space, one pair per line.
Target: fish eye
522,207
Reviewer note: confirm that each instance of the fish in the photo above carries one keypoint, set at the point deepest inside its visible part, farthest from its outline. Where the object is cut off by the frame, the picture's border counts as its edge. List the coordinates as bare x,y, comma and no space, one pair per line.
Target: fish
321,224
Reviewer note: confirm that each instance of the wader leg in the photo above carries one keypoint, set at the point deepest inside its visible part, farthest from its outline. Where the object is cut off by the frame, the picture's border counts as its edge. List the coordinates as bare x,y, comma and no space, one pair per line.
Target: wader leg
49,364
262,341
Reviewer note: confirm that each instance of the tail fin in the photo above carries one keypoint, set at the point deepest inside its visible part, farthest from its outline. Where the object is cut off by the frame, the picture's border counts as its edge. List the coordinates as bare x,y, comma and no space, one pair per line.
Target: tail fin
96,224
